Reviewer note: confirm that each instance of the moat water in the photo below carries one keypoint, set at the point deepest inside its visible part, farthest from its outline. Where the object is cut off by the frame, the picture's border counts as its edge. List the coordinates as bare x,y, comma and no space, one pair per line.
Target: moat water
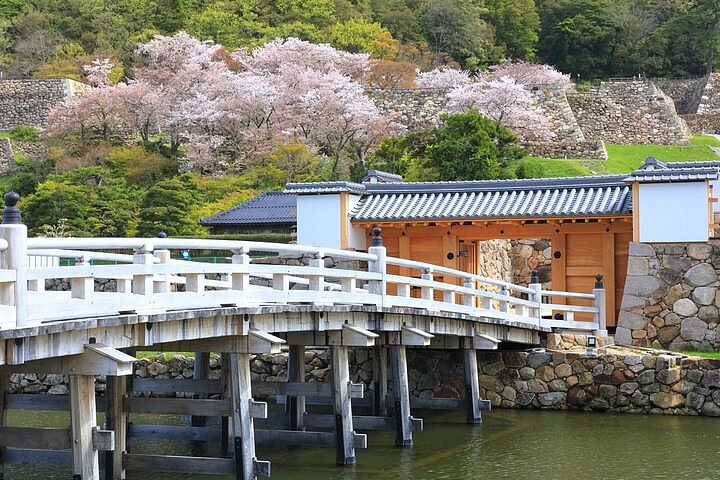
510,444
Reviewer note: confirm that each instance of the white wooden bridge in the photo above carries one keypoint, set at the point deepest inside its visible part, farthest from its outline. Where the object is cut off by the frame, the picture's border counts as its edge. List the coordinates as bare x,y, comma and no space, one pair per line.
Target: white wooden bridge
237,309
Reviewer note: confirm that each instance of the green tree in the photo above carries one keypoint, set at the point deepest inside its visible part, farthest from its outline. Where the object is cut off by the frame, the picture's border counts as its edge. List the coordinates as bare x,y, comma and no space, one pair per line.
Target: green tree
469,146
516,25
168,206
54,200
361,36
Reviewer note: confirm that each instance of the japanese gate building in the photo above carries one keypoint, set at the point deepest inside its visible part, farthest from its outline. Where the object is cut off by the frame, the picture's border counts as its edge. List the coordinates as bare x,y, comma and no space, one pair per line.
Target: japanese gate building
590,221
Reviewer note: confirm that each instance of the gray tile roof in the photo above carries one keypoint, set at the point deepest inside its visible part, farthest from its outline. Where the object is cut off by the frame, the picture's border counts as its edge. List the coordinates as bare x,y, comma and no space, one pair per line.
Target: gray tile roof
655,171
268,208
554,198
324,187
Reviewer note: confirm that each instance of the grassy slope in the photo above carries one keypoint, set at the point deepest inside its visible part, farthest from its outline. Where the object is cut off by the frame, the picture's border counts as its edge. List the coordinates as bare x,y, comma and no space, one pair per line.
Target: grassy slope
625,158
694,353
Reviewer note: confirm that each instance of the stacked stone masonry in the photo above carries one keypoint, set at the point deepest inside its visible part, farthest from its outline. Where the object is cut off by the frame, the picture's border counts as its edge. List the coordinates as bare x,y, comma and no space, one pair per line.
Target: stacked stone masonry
671,297
629,113
28,102
529,255
611,381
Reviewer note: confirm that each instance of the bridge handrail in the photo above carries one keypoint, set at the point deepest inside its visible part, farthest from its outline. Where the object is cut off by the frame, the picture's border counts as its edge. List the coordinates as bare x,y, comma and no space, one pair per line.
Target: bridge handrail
150,279
151,244
465,276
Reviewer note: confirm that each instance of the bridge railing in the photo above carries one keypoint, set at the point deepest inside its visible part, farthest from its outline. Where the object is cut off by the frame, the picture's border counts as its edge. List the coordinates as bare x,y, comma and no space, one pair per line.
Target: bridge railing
152,279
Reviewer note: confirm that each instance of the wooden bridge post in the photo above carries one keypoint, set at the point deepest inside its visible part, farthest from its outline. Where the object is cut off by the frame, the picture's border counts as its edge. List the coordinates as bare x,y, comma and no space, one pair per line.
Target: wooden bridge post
342,408
599,303
536,296
472,384
225,427
14,258
242,420
296,373
4,386
201,370
380,380
116,420
84,421
401,396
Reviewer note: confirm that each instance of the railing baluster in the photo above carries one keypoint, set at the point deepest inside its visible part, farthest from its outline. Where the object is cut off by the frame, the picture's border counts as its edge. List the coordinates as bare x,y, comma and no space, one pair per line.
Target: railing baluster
536,296
504,304
427,292
599,303
82,287
143,284
15,257
240,280
378,287
469,300
163,285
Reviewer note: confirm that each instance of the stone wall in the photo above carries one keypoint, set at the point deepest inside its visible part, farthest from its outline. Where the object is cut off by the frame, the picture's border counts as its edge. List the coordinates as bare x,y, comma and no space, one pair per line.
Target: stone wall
671,296
529,255
686,93
495,259
703,123
7,158
629,113
28,102
566,139
710,101
415,109
615,380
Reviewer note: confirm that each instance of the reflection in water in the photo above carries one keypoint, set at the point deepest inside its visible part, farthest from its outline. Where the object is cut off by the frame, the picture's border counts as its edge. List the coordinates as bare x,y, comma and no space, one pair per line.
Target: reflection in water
509,445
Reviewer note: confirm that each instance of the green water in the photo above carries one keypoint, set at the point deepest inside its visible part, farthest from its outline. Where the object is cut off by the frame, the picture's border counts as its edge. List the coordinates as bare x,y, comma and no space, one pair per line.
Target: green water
509,445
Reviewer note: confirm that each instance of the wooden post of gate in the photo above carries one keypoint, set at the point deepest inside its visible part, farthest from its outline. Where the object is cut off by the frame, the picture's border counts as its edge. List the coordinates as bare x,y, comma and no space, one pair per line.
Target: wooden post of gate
296,373
401,396
380,380
342,408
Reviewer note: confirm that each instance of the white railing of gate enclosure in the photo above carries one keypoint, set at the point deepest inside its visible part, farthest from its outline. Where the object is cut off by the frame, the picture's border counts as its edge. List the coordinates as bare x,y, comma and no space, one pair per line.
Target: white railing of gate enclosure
150,280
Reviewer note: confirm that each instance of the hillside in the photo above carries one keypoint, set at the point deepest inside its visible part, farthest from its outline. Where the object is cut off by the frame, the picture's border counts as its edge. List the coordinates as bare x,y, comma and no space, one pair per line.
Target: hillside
588,38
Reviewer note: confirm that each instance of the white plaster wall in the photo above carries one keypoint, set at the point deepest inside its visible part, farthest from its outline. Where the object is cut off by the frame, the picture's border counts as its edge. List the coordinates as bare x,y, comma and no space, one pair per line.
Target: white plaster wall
318,219
674,212
356,235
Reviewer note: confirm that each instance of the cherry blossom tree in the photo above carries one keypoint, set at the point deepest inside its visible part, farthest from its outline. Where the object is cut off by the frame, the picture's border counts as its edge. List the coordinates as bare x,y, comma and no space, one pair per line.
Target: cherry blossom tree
98,72
504,100
531,74
443,77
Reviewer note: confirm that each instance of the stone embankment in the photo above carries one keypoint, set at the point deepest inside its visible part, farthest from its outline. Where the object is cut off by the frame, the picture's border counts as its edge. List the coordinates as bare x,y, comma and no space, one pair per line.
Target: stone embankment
671,296
28,102
615,380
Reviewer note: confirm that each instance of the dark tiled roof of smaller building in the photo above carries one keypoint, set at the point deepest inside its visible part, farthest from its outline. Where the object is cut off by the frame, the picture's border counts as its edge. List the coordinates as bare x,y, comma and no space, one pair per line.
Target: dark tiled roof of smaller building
324,187
655,171
268,208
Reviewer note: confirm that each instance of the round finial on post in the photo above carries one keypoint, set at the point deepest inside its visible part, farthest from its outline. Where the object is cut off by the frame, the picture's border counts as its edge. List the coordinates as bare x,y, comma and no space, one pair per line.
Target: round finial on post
161,235
534,277
599,281
377,240
11,213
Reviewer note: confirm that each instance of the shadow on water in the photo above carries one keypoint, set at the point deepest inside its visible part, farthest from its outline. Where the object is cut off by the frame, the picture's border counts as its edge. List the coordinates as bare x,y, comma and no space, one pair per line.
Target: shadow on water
509,445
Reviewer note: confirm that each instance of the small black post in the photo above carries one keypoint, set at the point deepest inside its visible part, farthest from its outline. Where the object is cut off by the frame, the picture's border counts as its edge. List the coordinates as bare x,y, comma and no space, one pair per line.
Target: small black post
11,213
397,416
239,467
377,240
599,281
161,234
339,441
534,277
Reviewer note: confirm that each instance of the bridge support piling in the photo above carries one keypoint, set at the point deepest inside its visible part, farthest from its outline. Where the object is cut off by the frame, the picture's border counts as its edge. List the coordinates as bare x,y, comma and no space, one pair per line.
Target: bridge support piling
84,421
401,396
200,372
342,408
472,386
296,373
242,421
380,380
116,420
4,385
225,427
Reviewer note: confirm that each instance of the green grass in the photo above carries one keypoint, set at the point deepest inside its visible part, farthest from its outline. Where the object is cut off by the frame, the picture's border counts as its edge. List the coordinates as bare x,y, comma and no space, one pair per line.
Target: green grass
626,158
698,353
165,355
622,159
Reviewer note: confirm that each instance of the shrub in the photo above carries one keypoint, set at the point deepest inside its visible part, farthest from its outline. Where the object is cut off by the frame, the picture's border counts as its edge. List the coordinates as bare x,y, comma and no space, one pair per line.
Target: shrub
24,133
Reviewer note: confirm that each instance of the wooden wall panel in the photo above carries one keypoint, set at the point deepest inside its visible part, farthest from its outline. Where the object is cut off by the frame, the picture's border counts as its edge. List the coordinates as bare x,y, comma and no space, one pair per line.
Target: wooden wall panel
622,246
